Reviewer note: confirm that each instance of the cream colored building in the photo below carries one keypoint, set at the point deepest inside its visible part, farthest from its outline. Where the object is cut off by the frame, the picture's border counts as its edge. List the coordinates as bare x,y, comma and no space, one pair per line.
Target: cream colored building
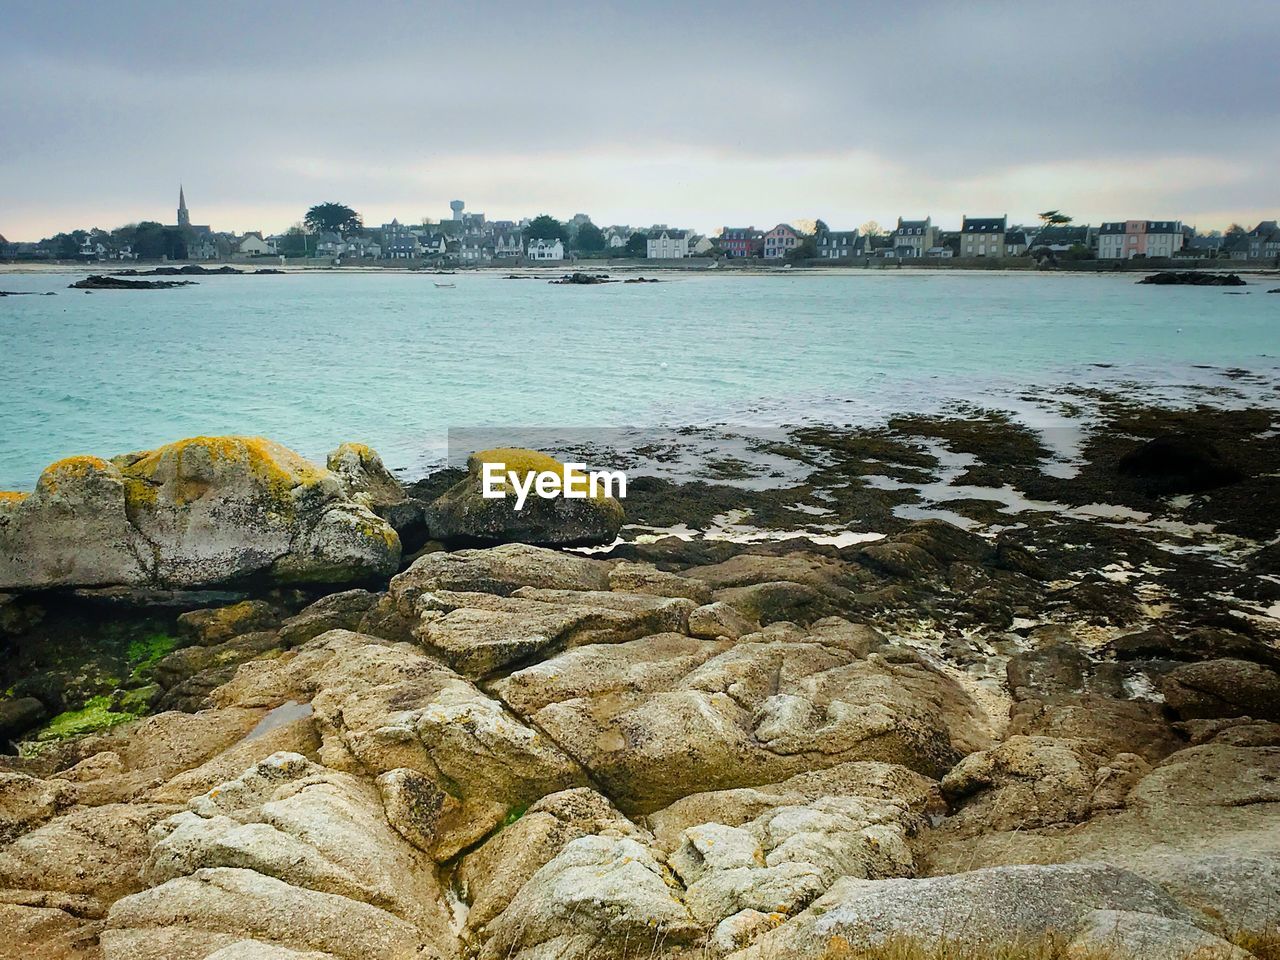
983,236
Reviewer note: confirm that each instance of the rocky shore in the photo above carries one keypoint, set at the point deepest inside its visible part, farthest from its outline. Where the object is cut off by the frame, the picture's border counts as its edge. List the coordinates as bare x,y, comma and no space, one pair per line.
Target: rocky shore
934,700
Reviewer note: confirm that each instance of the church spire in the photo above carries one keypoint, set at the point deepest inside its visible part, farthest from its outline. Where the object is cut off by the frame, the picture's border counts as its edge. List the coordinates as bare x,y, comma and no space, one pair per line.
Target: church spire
184,218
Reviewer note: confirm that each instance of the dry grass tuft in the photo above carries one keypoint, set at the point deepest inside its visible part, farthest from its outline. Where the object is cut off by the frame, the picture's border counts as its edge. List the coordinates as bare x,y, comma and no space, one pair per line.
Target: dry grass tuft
1264,946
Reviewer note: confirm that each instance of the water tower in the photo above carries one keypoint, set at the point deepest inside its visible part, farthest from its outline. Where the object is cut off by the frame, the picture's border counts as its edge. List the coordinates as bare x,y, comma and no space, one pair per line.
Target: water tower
456,206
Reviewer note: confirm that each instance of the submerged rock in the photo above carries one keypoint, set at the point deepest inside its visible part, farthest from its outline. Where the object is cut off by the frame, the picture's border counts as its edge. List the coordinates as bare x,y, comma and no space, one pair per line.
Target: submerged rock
464,516
196,513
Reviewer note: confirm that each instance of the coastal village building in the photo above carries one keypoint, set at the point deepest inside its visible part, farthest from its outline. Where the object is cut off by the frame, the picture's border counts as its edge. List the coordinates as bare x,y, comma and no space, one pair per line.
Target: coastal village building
433,244
398,241
983,236
914,237
1264,241
616,237
252,245
1203,247
1126,239
202,247
1016,242
779,241
359,247
328,244
741,241
700,246
546,250
202,243
667,245
1062,239
840,244
475,251
507,244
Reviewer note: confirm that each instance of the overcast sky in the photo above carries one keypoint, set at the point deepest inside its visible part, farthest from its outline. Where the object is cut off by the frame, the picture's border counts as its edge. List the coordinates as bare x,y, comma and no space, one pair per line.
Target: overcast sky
691,113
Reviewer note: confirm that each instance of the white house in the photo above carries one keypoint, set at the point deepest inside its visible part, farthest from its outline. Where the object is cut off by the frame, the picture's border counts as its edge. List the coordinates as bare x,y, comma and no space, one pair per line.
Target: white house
546,250
432,244
252,245
668,245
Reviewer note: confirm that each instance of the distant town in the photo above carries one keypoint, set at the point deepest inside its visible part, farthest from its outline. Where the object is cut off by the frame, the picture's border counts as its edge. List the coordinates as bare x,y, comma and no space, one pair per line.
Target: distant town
333,233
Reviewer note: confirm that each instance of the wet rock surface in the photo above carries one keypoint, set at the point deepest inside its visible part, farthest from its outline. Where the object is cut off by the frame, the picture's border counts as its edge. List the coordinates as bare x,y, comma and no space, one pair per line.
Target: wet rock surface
1050,722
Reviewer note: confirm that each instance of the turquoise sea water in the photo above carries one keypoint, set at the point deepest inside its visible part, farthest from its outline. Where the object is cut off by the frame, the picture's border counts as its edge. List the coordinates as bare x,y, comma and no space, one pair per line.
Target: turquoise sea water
388,359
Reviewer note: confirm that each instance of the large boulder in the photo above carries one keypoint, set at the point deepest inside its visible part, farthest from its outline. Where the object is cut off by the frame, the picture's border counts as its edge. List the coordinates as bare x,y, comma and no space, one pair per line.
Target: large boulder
981,908
1212,798
601,896
1223,688
464,516
501,570
491,875
192,514
1037,782
1178,463
478,633
452,762
290,853
367,481
1127,935
774,704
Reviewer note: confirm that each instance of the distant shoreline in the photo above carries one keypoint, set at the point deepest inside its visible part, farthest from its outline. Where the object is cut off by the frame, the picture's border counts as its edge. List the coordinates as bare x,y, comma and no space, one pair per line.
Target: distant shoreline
632,267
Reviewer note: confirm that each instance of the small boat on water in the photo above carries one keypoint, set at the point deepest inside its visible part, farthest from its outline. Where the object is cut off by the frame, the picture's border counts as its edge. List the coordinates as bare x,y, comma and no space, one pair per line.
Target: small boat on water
445,286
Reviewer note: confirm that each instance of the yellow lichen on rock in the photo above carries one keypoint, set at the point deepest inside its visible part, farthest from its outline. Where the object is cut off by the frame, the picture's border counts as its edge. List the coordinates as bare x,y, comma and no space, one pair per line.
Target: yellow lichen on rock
71,468
184,465
12,496
362,450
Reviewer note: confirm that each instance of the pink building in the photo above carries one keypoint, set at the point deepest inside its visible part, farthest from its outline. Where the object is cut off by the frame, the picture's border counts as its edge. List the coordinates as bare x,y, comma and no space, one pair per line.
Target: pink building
780,240
1123,240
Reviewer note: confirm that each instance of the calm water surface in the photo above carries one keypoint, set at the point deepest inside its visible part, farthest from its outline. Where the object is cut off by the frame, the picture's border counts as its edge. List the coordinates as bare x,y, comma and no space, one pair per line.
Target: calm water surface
312,360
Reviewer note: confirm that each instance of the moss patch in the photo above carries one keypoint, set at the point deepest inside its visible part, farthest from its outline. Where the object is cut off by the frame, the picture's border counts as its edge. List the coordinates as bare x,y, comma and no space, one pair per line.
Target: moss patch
95,715
514,814
145,652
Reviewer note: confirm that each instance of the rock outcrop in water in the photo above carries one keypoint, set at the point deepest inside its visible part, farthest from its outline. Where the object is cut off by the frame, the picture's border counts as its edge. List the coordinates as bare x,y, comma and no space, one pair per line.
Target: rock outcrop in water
194,514
97,282
1193,278
463,516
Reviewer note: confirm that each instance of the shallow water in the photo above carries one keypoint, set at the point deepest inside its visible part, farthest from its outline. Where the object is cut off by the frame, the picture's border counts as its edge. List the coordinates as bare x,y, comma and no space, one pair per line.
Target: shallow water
312,360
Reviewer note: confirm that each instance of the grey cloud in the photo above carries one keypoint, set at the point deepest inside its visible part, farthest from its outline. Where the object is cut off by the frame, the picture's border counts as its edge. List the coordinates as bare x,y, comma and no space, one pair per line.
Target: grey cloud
122,101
